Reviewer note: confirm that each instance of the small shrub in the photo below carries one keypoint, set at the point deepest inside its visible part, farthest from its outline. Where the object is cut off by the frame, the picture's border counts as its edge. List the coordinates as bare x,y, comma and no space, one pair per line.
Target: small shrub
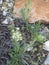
25,11
17,52
20,47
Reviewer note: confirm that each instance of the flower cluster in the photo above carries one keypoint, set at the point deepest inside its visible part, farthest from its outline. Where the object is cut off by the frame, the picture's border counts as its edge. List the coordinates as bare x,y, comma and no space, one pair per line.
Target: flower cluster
16,35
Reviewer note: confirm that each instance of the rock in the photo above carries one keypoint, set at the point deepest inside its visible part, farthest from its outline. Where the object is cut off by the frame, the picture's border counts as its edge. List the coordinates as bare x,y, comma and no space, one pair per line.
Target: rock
10,5
39,10
1,1
4,8
46,45
47,60
4,13
30,48
5,21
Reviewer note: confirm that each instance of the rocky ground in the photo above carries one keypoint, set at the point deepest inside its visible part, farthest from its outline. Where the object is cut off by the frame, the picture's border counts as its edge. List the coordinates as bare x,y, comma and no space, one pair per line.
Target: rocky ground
5,42
6,17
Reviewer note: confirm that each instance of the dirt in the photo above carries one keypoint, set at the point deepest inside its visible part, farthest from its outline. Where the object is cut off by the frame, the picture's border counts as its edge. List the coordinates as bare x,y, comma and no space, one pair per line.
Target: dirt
5,43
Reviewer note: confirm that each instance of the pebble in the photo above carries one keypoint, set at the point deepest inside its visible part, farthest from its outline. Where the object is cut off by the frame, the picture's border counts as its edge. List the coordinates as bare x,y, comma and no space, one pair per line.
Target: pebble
46,45
4,13
5,21
1,1
10,5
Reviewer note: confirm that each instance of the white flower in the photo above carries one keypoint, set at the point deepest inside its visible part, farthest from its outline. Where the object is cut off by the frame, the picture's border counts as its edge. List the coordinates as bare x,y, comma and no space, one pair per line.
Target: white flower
17,35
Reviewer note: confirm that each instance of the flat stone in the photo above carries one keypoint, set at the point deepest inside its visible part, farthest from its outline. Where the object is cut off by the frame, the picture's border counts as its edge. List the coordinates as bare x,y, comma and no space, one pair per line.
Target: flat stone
39,10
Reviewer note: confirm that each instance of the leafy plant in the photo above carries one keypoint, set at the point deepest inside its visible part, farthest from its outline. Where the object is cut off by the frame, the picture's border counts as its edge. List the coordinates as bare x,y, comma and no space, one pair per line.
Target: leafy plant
20,47
18,50
25,11
36,37
35,29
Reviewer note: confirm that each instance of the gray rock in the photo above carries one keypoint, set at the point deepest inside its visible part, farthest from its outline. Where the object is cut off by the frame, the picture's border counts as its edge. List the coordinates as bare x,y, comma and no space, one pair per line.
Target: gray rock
4,13
1,1
5,21
47,60
46,45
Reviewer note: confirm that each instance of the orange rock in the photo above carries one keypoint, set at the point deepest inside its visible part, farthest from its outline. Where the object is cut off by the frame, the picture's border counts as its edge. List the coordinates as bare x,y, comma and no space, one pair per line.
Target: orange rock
39,10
